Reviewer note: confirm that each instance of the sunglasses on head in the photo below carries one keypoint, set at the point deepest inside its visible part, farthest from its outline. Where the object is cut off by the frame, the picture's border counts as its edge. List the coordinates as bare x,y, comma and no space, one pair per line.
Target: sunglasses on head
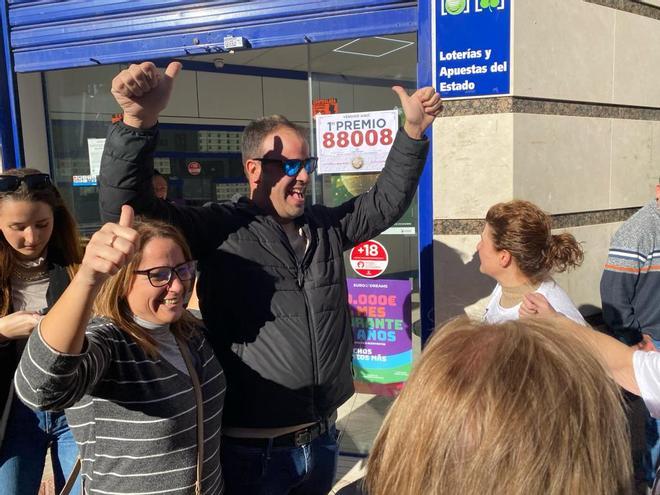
10,183
293,167
161,276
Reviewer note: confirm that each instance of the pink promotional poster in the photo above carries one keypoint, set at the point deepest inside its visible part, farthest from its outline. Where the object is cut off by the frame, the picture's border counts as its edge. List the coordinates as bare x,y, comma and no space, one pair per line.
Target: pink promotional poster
381,320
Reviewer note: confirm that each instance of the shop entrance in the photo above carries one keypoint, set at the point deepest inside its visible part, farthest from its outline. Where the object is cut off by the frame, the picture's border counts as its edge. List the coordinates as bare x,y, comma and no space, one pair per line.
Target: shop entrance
215,96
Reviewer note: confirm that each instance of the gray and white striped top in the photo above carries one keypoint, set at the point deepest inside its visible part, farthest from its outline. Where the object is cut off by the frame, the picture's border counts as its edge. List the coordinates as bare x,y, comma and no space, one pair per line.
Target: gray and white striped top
133,417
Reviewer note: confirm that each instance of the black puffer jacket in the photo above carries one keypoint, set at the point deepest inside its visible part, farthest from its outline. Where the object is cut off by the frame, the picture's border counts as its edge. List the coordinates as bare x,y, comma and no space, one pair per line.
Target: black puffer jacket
280,328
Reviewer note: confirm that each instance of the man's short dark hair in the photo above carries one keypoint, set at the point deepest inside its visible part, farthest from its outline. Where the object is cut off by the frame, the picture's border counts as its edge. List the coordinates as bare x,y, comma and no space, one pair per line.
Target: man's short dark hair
257,130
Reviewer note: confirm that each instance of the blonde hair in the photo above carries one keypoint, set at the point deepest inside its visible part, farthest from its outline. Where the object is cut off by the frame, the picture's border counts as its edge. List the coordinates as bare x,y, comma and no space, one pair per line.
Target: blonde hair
523,229
111,301
515,408
64,245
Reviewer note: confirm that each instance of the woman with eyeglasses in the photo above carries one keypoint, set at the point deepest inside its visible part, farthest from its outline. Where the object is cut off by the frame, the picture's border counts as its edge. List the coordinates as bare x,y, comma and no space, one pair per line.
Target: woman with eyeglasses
39,250
142,388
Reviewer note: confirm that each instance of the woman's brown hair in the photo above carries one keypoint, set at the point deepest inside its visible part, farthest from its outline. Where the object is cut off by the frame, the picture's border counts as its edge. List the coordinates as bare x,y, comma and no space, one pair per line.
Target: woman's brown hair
111,301
64,246
524,230
516,408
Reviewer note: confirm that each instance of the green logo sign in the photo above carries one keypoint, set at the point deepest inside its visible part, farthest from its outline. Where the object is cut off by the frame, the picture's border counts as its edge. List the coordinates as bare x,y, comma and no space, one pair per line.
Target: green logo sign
489,4
455,7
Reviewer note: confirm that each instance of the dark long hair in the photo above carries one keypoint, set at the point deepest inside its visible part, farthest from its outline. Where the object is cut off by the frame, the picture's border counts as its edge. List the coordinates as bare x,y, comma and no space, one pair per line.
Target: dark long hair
64,247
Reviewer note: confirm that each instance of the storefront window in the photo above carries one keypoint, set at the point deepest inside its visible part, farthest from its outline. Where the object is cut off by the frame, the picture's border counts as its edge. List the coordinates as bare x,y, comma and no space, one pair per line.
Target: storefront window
198,153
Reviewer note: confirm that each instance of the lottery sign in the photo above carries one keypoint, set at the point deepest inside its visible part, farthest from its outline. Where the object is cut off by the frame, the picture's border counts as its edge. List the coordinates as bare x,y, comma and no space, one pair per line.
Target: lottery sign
355,142
369,259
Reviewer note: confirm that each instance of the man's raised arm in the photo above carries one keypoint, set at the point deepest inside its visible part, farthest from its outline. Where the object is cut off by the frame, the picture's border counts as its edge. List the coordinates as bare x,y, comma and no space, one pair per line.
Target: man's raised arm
369,214
126,174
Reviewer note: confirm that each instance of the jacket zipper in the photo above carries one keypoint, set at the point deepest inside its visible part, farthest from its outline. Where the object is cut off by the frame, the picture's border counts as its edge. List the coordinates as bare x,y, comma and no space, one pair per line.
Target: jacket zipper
300,276
312,334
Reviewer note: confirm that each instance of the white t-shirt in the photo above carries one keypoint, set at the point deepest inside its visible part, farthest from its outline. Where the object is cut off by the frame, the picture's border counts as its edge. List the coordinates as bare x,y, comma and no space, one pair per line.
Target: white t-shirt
646,366
552,292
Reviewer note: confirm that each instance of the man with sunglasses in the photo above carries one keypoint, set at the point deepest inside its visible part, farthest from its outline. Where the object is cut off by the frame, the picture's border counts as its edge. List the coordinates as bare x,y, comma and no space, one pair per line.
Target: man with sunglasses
272,284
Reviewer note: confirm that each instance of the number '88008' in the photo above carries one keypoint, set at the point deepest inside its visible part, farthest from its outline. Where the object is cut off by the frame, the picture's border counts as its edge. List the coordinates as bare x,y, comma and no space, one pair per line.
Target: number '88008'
343,139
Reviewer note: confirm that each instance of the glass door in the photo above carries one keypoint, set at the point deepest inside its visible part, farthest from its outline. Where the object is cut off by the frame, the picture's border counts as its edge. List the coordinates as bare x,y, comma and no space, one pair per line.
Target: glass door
354,116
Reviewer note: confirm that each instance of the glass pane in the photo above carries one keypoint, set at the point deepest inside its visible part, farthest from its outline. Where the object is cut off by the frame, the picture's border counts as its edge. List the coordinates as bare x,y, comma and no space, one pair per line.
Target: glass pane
364,71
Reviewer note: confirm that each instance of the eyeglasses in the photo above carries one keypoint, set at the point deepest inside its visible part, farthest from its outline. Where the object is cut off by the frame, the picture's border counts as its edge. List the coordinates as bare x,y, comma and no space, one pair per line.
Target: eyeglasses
292,167
161,276
10,183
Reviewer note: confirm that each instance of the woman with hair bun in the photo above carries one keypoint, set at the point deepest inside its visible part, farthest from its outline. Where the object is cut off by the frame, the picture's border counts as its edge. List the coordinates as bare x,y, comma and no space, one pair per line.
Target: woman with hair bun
519,251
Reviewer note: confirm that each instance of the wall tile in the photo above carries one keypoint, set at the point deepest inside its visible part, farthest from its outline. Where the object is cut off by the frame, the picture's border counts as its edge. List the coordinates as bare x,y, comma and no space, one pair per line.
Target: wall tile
562,163
460,288
637,60
561,48
634,172
583,283
472,164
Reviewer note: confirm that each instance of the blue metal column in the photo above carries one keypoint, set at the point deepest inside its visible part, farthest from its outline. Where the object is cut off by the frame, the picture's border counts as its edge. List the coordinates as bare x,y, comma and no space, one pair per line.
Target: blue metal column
425,197
10,125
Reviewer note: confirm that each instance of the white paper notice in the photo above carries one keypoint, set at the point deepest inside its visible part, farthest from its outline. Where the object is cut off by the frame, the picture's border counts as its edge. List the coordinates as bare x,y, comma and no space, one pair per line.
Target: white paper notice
95,149
355,142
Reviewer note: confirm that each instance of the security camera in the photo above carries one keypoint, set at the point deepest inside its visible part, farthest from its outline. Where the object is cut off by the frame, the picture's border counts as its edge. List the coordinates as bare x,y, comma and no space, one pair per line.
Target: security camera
219,63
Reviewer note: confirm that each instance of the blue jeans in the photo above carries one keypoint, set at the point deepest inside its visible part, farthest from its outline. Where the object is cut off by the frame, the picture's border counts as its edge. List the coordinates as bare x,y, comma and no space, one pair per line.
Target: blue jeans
305,470
23,453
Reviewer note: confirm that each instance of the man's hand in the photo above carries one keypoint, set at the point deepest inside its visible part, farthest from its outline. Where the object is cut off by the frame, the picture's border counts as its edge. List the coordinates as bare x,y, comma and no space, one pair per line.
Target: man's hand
108,250
420,109
18,325
142,92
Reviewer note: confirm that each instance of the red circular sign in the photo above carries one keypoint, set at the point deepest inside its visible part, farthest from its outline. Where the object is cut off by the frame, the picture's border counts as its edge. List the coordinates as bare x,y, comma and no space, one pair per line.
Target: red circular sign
194,168
369,259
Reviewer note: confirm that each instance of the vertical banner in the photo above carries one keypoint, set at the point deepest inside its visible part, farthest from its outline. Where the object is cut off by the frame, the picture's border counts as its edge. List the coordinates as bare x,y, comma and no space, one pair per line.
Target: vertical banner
381,320
473,48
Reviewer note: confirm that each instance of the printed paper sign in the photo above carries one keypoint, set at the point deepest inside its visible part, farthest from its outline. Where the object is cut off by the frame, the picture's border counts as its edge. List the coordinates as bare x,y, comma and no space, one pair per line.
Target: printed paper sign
83,180
95,150
369,259
355,142
381,319
473,45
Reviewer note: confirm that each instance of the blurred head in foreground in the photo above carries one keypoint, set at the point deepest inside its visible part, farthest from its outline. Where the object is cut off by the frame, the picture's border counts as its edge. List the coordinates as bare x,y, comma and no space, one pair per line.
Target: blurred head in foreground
514,408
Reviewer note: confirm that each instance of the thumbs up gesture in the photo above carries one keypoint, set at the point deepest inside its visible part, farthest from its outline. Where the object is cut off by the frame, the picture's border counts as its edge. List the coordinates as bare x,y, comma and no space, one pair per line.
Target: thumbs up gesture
420,109
142,92
109,249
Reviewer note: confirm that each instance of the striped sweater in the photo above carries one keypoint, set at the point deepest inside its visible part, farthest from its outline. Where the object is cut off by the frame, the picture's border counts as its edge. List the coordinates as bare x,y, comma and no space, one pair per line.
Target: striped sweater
630,286
133,416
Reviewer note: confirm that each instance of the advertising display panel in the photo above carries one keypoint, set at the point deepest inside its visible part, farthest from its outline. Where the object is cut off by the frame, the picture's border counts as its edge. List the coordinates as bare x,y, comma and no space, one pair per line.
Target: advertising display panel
382,322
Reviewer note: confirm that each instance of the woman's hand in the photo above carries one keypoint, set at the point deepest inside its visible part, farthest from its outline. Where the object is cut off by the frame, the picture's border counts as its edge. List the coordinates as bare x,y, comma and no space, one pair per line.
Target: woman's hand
108,250
535,304
18,325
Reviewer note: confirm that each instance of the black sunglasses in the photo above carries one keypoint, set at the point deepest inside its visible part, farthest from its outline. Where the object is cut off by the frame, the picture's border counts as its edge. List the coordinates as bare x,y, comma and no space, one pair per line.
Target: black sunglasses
10,183
160,276
293,167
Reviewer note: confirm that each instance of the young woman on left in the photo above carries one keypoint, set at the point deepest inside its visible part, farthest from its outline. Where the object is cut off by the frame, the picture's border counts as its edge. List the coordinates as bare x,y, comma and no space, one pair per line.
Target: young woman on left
39,252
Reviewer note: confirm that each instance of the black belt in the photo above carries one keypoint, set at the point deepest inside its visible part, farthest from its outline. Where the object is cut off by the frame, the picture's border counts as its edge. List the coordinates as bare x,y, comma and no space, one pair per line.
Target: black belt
293,439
